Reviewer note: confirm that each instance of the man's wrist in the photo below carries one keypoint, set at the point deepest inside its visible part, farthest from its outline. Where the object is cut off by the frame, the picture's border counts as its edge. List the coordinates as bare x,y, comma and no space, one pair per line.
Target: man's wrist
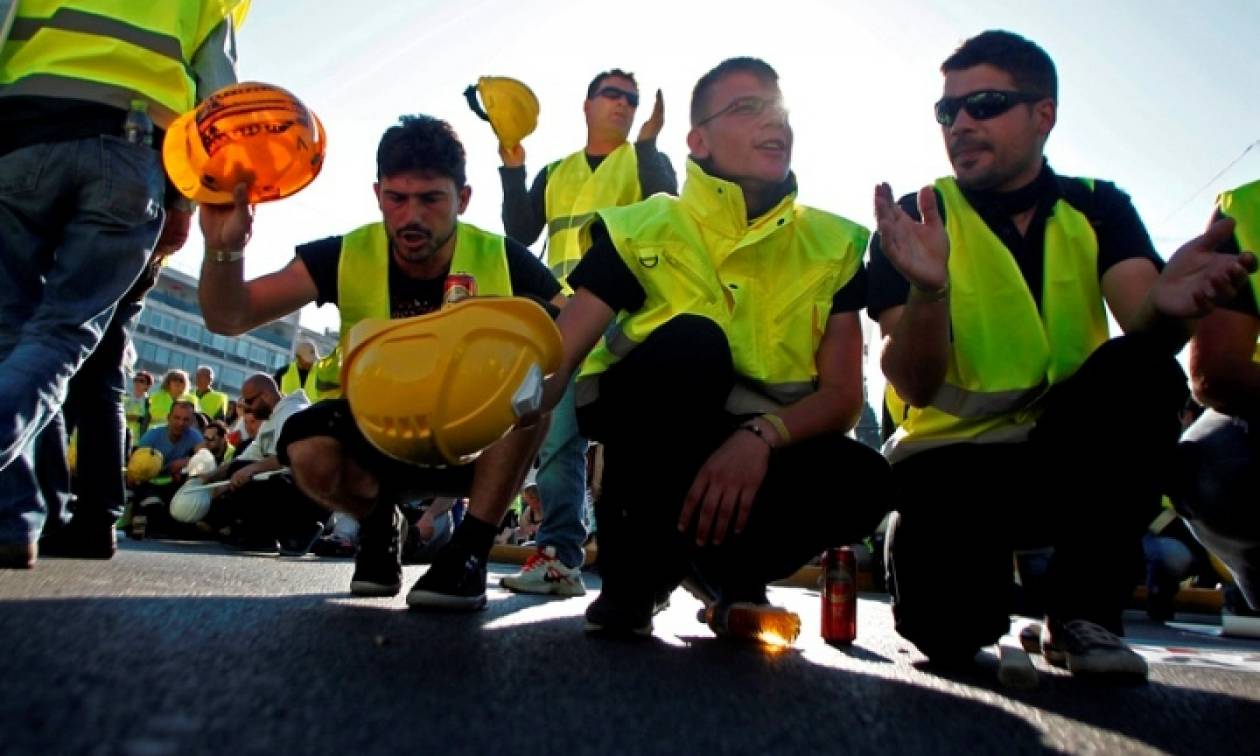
921,294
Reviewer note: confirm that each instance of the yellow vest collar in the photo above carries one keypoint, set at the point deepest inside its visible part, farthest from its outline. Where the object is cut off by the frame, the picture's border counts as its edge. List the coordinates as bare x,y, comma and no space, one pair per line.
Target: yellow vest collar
719,206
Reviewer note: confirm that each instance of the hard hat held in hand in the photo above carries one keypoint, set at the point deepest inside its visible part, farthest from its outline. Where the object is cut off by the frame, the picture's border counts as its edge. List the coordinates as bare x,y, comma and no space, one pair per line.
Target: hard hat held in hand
439,388
144,465
200,463
510,107
250,132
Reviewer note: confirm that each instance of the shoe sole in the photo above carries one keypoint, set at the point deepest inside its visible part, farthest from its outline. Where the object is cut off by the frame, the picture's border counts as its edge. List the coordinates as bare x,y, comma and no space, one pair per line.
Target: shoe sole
374,590
1015,668
1120,668
431,600
605,631
545,589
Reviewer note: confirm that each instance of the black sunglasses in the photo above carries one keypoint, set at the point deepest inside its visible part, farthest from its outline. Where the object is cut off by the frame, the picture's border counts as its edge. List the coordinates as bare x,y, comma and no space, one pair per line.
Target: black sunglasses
614,93
981,105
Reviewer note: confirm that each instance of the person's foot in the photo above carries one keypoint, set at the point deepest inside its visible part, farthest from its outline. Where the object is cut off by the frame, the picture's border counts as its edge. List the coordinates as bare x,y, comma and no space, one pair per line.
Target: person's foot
378,565
18,556
1091,650
334,547
456,581
79,540
613,617
544,573
298,541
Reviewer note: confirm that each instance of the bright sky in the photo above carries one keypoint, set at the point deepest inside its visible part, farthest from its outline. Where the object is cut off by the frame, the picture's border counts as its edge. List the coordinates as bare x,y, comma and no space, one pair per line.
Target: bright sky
1156,95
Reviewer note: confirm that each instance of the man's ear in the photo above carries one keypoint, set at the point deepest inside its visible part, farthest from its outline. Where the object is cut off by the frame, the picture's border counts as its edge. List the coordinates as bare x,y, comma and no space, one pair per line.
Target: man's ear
697,144
465,194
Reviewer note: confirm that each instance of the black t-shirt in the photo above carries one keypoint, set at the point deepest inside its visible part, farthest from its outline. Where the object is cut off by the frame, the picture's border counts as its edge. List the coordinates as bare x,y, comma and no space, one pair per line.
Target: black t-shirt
1121,234
417,296
603,273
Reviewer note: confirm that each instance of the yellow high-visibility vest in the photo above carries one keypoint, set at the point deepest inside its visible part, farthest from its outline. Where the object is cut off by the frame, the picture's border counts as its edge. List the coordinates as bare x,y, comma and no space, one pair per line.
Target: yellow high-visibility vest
767,283
1004,354
214,404
575,192
292,381
111,51
1243,205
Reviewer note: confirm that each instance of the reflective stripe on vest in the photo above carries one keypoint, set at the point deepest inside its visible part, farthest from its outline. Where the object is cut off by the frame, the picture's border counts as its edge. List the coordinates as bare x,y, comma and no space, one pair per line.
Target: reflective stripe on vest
575,192
110,51
363,277
1004,353
767,284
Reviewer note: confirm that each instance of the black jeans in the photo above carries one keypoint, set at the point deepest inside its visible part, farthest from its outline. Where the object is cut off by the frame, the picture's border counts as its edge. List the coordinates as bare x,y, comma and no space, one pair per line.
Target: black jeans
660,415
1087,482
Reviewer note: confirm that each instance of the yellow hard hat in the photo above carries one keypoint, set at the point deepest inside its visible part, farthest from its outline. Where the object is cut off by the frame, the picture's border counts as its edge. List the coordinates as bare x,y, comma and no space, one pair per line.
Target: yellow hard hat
437,389
145,464
252,132
510,107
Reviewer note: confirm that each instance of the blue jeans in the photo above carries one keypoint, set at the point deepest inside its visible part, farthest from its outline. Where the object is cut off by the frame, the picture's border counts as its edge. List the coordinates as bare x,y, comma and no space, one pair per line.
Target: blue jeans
562,484
1216,492
77,222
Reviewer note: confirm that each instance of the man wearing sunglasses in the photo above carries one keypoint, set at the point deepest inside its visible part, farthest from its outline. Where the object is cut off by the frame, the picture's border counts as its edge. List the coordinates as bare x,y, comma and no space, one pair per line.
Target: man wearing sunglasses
996,340
607,172
732,370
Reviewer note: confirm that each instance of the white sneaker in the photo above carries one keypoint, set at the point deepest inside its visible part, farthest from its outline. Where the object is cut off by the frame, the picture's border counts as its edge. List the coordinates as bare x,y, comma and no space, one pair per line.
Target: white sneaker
545,574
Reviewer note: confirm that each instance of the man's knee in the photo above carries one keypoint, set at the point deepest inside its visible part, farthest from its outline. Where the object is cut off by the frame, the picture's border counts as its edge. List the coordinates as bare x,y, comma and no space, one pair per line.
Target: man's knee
325,474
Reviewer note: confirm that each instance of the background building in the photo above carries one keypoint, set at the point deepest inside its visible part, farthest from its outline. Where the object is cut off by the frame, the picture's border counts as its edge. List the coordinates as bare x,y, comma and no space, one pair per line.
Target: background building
172,334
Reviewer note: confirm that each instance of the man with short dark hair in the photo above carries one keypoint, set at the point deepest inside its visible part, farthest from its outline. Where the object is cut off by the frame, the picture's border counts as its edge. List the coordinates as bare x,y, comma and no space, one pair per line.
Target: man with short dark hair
607,172
393,268
996,342
732,370
176,441
216,440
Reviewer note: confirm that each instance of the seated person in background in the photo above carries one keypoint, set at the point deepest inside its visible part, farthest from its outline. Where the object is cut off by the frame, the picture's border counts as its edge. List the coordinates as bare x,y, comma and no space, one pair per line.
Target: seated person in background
216,440
1218,489
176,440
174,389
266,515
531,514
248,431
136,407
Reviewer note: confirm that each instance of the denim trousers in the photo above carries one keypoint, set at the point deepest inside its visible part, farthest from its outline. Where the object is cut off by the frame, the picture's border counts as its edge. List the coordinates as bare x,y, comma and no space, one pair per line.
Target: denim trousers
1217,491
562,484
78,220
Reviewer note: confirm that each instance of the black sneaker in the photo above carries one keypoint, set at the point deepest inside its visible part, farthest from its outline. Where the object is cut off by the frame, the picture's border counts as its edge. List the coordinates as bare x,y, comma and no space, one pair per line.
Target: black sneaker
298,541
456,581
612,617
79,539
1091,650
377,566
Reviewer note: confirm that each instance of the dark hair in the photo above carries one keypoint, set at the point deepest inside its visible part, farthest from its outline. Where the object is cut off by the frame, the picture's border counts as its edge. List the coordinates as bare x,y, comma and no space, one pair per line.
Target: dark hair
700,94
218,425
599,78
1025,62
424,144
144,375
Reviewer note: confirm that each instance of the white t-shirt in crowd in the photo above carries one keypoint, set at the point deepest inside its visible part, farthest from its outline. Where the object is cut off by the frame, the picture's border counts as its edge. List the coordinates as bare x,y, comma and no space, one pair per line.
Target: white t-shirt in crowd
269,431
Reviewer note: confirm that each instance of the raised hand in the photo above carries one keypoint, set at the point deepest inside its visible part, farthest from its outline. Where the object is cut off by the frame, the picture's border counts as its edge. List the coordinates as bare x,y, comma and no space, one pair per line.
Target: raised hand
1197,277
919,250
228,227
513,157
651,128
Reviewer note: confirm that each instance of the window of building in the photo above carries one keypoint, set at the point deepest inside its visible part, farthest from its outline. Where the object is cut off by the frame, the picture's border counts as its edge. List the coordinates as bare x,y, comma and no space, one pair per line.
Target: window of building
162,356
233,378
147,350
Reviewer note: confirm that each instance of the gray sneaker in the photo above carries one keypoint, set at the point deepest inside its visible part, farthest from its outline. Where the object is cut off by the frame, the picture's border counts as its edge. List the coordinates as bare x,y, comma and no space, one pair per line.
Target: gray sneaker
1091,650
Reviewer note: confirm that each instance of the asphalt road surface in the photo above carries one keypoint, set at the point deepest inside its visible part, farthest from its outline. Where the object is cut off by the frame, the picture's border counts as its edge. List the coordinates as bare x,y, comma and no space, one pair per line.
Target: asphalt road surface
188,649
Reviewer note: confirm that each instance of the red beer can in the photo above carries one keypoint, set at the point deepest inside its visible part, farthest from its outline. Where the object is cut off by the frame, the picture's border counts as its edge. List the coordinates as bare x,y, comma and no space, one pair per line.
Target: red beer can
458,286
839,596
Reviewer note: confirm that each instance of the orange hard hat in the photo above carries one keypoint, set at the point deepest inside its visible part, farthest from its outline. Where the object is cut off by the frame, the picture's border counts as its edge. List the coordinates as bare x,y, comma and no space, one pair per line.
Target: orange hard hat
251,132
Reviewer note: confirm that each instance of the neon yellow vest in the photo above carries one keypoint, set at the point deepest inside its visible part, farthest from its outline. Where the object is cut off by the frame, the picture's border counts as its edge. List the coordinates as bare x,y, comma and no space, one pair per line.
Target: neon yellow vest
768,284
160,403
292,381
363,280
1004,353
1243,205
214,404
136,410
574,193
110,51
